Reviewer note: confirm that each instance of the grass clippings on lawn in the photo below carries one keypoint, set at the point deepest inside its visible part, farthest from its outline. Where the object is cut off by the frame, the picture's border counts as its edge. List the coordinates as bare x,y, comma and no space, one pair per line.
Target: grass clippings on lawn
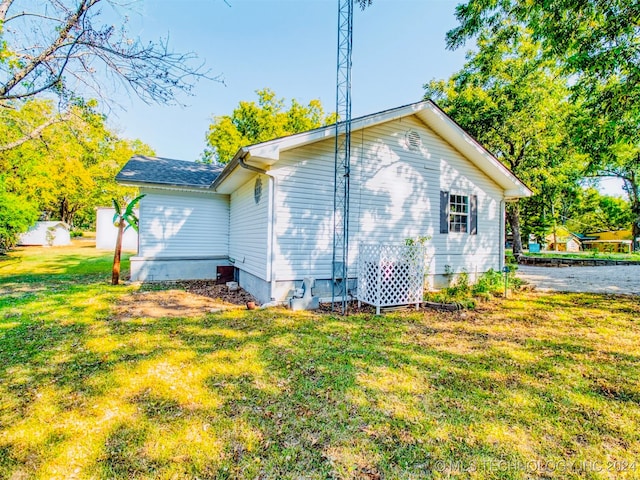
536,386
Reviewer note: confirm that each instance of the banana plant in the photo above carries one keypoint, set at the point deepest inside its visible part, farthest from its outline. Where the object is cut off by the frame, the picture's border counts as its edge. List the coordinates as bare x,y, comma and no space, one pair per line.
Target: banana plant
123,221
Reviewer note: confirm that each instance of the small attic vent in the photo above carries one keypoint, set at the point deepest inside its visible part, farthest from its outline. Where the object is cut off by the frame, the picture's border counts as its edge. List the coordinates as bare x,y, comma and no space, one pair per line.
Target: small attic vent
414,142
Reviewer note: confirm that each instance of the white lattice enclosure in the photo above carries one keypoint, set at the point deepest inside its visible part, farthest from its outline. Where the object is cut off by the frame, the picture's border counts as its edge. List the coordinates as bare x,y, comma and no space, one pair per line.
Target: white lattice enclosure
391,275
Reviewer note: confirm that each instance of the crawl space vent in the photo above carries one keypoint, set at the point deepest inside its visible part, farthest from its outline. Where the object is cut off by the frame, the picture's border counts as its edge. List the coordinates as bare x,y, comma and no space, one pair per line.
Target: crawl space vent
414,142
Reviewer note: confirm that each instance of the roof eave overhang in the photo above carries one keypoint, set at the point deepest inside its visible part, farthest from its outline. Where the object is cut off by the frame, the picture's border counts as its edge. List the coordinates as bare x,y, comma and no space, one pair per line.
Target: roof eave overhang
227,181
471,149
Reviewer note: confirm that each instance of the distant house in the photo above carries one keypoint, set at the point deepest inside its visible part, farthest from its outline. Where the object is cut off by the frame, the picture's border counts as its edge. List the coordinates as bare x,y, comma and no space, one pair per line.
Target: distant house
269,212
107,232
563,240
617,241
47,233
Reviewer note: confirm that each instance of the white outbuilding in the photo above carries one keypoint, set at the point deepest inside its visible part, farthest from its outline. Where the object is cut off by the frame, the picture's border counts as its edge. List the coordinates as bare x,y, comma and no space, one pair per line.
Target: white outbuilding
47,233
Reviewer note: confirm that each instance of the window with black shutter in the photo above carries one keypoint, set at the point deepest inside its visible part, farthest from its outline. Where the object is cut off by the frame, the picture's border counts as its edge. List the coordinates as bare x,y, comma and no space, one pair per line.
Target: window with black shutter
458,213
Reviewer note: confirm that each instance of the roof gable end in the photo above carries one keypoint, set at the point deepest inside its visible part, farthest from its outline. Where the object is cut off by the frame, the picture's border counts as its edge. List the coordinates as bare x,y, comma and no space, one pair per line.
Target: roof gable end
263,155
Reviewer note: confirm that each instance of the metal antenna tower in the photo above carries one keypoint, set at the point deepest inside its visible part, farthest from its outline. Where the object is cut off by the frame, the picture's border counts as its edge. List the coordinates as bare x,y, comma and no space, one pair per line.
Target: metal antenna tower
340,275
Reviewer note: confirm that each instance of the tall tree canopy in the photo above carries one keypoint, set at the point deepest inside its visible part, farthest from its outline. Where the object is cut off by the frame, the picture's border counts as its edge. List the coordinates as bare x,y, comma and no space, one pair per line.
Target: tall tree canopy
595,212
595,39
70,168
65,49
516,104
597,43
253,122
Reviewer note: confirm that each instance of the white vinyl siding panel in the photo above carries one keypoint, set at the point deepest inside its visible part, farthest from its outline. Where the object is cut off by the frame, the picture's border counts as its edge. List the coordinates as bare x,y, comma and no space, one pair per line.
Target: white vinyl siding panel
304,212
249,232
395,195
183,224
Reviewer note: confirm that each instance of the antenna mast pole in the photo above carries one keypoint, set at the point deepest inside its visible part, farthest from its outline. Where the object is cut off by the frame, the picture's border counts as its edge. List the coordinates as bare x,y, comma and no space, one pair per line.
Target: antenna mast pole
340,277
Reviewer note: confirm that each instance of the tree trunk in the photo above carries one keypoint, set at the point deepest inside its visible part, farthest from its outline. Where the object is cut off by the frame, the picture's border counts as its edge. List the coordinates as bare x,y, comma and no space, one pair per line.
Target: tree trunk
513,217
635,228
63,211
115,272
555,231
633,191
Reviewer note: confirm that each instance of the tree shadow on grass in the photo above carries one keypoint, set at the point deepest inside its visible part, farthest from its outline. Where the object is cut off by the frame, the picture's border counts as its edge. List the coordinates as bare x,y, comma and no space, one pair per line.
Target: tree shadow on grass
368,400
278,394
124,456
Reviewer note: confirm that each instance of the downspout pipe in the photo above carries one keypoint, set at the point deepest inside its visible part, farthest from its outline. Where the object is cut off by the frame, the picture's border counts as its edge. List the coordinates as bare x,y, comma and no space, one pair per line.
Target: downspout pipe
246,166
503,234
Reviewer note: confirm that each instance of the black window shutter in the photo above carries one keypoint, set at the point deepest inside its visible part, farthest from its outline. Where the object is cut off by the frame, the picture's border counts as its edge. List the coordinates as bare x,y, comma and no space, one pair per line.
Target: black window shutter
444,212
473,214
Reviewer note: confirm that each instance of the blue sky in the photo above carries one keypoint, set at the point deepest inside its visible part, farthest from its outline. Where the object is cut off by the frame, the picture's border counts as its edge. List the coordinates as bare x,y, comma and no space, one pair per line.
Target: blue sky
290,47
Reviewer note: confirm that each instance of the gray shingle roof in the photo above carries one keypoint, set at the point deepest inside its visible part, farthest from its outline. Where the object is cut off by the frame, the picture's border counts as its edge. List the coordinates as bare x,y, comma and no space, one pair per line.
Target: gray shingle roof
165,171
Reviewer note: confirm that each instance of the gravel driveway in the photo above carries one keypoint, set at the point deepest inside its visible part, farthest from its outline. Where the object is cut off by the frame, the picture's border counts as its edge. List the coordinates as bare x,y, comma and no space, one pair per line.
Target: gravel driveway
623,279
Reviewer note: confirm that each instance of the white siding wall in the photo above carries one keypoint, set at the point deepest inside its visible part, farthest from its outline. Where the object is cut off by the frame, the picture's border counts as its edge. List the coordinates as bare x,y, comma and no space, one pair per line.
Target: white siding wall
249,228
183,224
395,194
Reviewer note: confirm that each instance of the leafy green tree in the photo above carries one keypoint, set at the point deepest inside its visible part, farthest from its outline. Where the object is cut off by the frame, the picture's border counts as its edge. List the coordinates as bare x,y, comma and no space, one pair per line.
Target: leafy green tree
596,42
69,170
253,122
595,212
611,139
593,39
123,220
515,103
16,216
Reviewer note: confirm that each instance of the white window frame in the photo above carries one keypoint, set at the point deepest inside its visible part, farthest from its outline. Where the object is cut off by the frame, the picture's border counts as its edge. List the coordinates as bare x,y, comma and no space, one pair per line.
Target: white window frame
458,213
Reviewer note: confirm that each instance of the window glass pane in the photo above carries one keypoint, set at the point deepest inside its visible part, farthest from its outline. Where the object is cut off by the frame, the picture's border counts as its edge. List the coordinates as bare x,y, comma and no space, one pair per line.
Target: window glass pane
458,213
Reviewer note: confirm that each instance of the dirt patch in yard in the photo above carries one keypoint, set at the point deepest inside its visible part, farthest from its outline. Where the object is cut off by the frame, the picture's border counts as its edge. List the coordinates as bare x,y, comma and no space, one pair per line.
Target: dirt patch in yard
180,299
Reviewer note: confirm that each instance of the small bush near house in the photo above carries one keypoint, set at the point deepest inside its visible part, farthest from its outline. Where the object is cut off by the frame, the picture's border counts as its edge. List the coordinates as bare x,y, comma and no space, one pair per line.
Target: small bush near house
460,291
490,282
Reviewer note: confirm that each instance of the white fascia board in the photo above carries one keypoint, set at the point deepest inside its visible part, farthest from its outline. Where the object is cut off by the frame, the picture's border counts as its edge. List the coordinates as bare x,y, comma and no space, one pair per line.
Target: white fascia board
165,186
234,180
514,194
266,154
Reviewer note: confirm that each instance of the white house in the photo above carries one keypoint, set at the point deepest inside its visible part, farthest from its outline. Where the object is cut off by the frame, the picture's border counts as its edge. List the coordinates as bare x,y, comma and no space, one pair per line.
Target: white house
107,232
47,233
269,212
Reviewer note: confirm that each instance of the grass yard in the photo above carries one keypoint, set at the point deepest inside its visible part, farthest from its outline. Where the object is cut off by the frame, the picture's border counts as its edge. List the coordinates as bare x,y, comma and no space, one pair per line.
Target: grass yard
536,386
588,255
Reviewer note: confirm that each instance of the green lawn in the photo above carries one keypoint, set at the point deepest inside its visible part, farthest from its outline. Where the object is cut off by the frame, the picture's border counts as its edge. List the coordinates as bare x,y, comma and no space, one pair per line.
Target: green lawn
536,386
